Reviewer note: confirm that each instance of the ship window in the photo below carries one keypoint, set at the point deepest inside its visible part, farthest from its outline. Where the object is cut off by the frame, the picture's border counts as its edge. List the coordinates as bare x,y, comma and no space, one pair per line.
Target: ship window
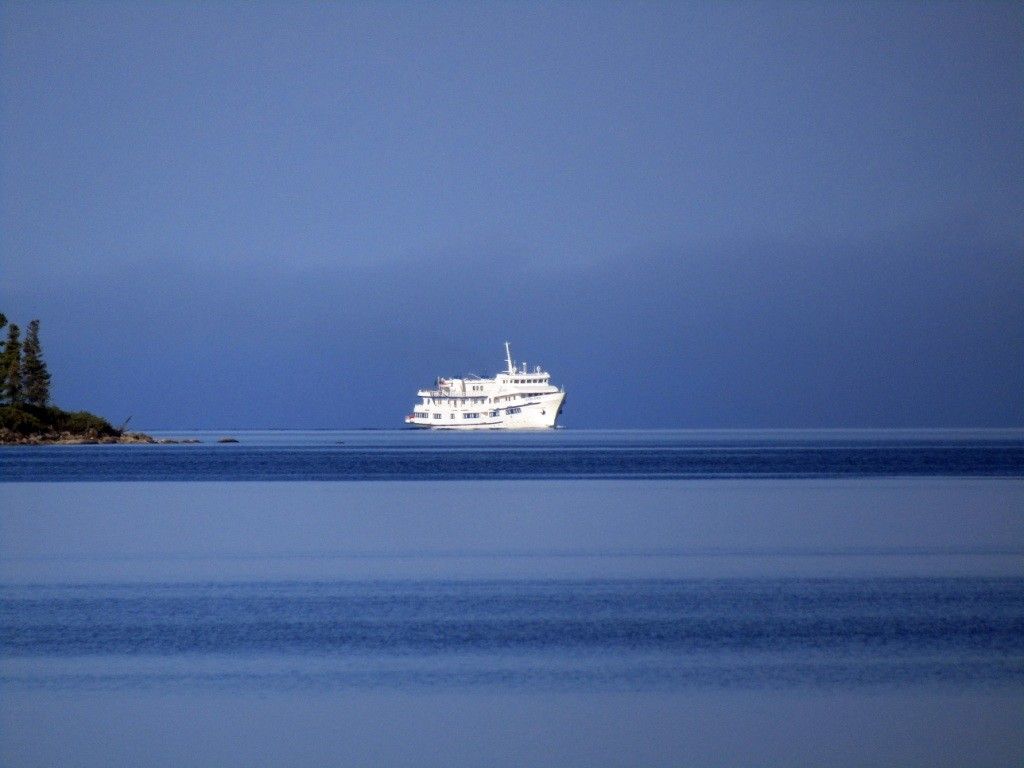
437,415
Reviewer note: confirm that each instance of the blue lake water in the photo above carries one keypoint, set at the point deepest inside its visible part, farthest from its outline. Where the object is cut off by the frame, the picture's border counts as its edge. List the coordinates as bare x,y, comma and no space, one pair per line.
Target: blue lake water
576,598
577,635
424,455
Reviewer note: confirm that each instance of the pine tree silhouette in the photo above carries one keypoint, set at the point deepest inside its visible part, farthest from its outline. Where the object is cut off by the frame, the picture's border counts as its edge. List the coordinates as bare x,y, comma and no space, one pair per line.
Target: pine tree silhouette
34,375
12,366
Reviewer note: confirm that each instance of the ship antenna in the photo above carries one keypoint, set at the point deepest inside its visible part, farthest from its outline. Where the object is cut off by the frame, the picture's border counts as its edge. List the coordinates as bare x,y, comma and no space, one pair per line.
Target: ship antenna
508,359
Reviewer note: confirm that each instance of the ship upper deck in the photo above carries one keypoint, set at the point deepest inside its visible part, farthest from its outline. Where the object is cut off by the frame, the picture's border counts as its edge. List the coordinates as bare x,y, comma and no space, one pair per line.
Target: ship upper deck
473,386
516,378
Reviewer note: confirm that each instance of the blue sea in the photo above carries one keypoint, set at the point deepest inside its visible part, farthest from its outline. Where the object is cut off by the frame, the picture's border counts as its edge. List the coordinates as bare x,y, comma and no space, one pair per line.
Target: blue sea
568,598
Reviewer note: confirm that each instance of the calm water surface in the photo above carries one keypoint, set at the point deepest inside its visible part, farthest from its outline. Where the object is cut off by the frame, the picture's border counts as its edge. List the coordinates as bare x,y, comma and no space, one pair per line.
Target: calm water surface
425,455
575,599
578,635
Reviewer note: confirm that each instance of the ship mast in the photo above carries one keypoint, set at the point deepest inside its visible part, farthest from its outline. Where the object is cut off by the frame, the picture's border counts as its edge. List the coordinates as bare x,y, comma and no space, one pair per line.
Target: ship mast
508,359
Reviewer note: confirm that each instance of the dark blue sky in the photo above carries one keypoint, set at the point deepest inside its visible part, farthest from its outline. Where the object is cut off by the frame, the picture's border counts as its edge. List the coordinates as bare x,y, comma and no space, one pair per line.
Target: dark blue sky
695,215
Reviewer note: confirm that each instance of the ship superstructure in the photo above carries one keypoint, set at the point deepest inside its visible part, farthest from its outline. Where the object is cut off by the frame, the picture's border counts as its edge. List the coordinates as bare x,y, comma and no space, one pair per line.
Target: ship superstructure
516,398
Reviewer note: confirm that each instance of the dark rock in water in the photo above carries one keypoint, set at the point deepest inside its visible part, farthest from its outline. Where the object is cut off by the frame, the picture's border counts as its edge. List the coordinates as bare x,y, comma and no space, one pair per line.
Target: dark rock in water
227,440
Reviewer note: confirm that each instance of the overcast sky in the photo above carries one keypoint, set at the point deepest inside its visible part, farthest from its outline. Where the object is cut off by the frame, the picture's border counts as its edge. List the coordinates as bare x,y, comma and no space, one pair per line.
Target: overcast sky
694,215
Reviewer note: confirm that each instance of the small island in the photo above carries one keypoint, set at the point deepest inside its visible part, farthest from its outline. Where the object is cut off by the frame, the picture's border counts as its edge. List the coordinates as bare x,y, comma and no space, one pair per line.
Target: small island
26,415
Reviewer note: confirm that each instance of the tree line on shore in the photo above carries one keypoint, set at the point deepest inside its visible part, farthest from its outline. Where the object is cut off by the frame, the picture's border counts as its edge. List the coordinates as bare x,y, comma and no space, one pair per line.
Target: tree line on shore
24,378
26,412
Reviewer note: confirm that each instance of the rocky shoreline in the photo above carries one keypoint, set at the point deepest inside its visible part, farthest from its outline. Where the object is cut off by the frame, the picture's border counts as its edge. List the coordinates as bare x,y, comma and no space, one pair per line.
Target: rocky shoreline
7,437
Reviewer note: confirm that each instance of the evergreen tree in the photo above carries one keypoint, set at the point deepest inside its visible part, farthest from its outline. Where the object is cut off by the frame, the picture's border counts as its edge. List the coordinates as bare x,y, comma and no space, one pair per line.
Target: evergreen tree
34,376
3,359
11,365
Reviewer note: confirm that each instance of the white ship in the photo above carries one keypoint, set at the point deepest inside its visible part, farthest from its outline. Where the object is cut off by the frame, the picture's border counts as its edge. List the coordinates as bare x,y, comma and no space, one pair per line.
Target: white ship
516,398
